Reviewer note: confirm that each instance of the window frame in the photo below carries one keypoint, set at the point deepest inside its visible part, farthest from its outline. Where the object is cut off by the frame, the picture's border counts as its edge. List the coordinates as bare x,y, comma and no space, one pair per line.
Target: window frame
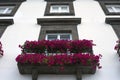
59,9
48,8
15,5
58,25
59,35
106,11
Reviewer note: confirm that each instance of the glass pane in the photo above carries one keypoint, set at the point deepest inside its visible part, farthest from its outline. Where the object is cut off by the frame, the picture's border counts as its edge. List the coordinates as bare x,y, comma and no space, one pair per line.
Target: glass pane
64,7
6,9
51,37
113,8
110,9
65,37
9,10
55,8
2,10
59,9
117,9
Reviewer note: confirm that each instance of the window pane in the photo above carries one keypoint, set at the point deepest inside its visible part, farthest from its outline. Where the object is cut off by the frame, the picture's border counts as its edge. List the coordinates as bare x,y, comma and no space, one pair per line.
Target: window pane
51,37
59,9
117,9
9,10
110,9
64,7
65,37
113,8
6,9
55,8
2,10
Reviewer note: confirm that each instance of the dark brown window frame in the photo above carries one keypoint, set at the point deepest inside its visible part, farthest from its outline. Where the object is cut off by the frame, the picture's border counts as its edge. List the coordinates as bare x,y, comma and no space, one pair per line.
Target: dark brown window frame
59,25
16,6
70,4
104,3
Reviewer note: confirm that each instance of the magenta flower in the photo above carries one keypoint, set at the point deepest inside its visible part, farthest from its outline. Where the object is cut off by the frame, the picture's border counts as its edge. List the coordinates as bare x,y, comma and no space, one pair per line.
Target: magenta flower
117,45
57,46
1,51
60,59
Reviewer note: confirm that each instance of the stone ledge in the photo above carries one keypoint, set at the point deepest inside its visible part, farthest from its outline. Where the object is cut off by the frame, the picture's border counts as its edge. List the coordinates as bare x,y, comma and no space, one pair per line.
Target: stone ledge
6,22
12,1
58,21
112,20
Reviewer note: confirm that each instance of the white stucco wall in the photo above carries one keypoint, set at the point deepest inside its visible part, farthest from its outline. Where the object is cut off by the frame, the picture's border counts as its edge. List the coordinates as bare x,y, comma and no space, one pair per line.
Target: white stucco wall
92,27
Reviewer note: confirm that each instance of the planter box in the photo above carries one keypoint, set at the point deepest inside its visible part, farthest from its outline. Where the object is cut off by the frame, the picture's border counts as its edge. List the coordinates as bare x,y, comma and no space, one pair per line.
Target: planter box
78,70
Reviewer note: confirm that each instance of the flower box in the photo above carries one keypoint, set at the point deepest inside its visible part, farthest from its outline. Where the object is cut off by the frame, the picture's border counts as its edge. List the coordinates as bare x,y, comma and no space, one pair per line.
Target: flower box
77,64
77,70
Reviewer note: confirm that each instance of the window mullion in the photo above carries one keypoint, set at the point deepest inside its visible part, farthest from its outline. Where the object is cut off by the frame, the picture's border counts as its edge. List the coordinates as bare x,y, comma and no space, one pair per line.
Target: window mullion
59,36
59,9
70,37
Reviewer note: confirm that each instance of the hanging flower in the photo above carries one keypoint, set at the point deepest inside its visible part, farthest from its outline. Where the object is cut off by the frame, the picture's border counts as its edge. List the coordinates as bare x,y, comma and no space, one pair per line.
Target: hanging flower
1,51
117,46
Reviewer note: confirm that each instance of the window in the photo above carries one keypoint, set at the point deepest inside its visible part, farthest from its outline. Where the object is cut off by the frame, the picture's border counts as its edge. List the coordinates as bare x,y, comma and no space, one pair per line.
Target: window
113,8
110,7
8,9
58,28
62,36
59,9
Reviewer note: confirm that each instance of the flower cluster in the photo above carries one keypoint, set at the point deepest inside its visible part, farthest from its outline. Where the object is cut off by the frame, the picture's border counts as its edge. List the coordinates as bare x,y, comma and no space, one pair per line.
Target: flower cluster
60,59
55,46
117,46
1,51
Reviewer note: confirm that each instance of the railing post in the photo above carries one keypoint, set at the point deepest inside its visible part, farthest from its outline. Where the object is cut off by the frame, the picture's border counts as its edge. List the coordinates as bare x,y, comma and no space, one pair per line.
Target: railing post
79,75
34,74
68,51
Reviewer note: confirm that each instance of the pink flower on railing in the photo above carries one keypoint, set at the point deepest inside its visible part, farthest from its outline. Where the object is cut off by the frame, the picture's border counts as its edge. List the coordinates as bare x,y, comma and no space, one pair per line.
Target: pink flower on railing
1,51
117,46
81,46
60,59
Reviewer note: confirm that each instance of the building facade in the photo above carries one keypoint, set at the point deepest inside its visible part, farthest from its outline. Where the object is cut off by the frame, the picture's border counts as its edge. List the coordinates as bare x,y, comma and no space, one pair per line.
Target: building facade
96,20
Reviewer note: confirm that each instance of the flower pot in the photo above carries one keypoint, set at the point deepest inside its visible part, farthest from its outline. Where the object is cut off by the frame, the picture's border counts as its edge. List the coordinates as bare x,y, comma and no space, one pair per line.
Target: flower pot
36,69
